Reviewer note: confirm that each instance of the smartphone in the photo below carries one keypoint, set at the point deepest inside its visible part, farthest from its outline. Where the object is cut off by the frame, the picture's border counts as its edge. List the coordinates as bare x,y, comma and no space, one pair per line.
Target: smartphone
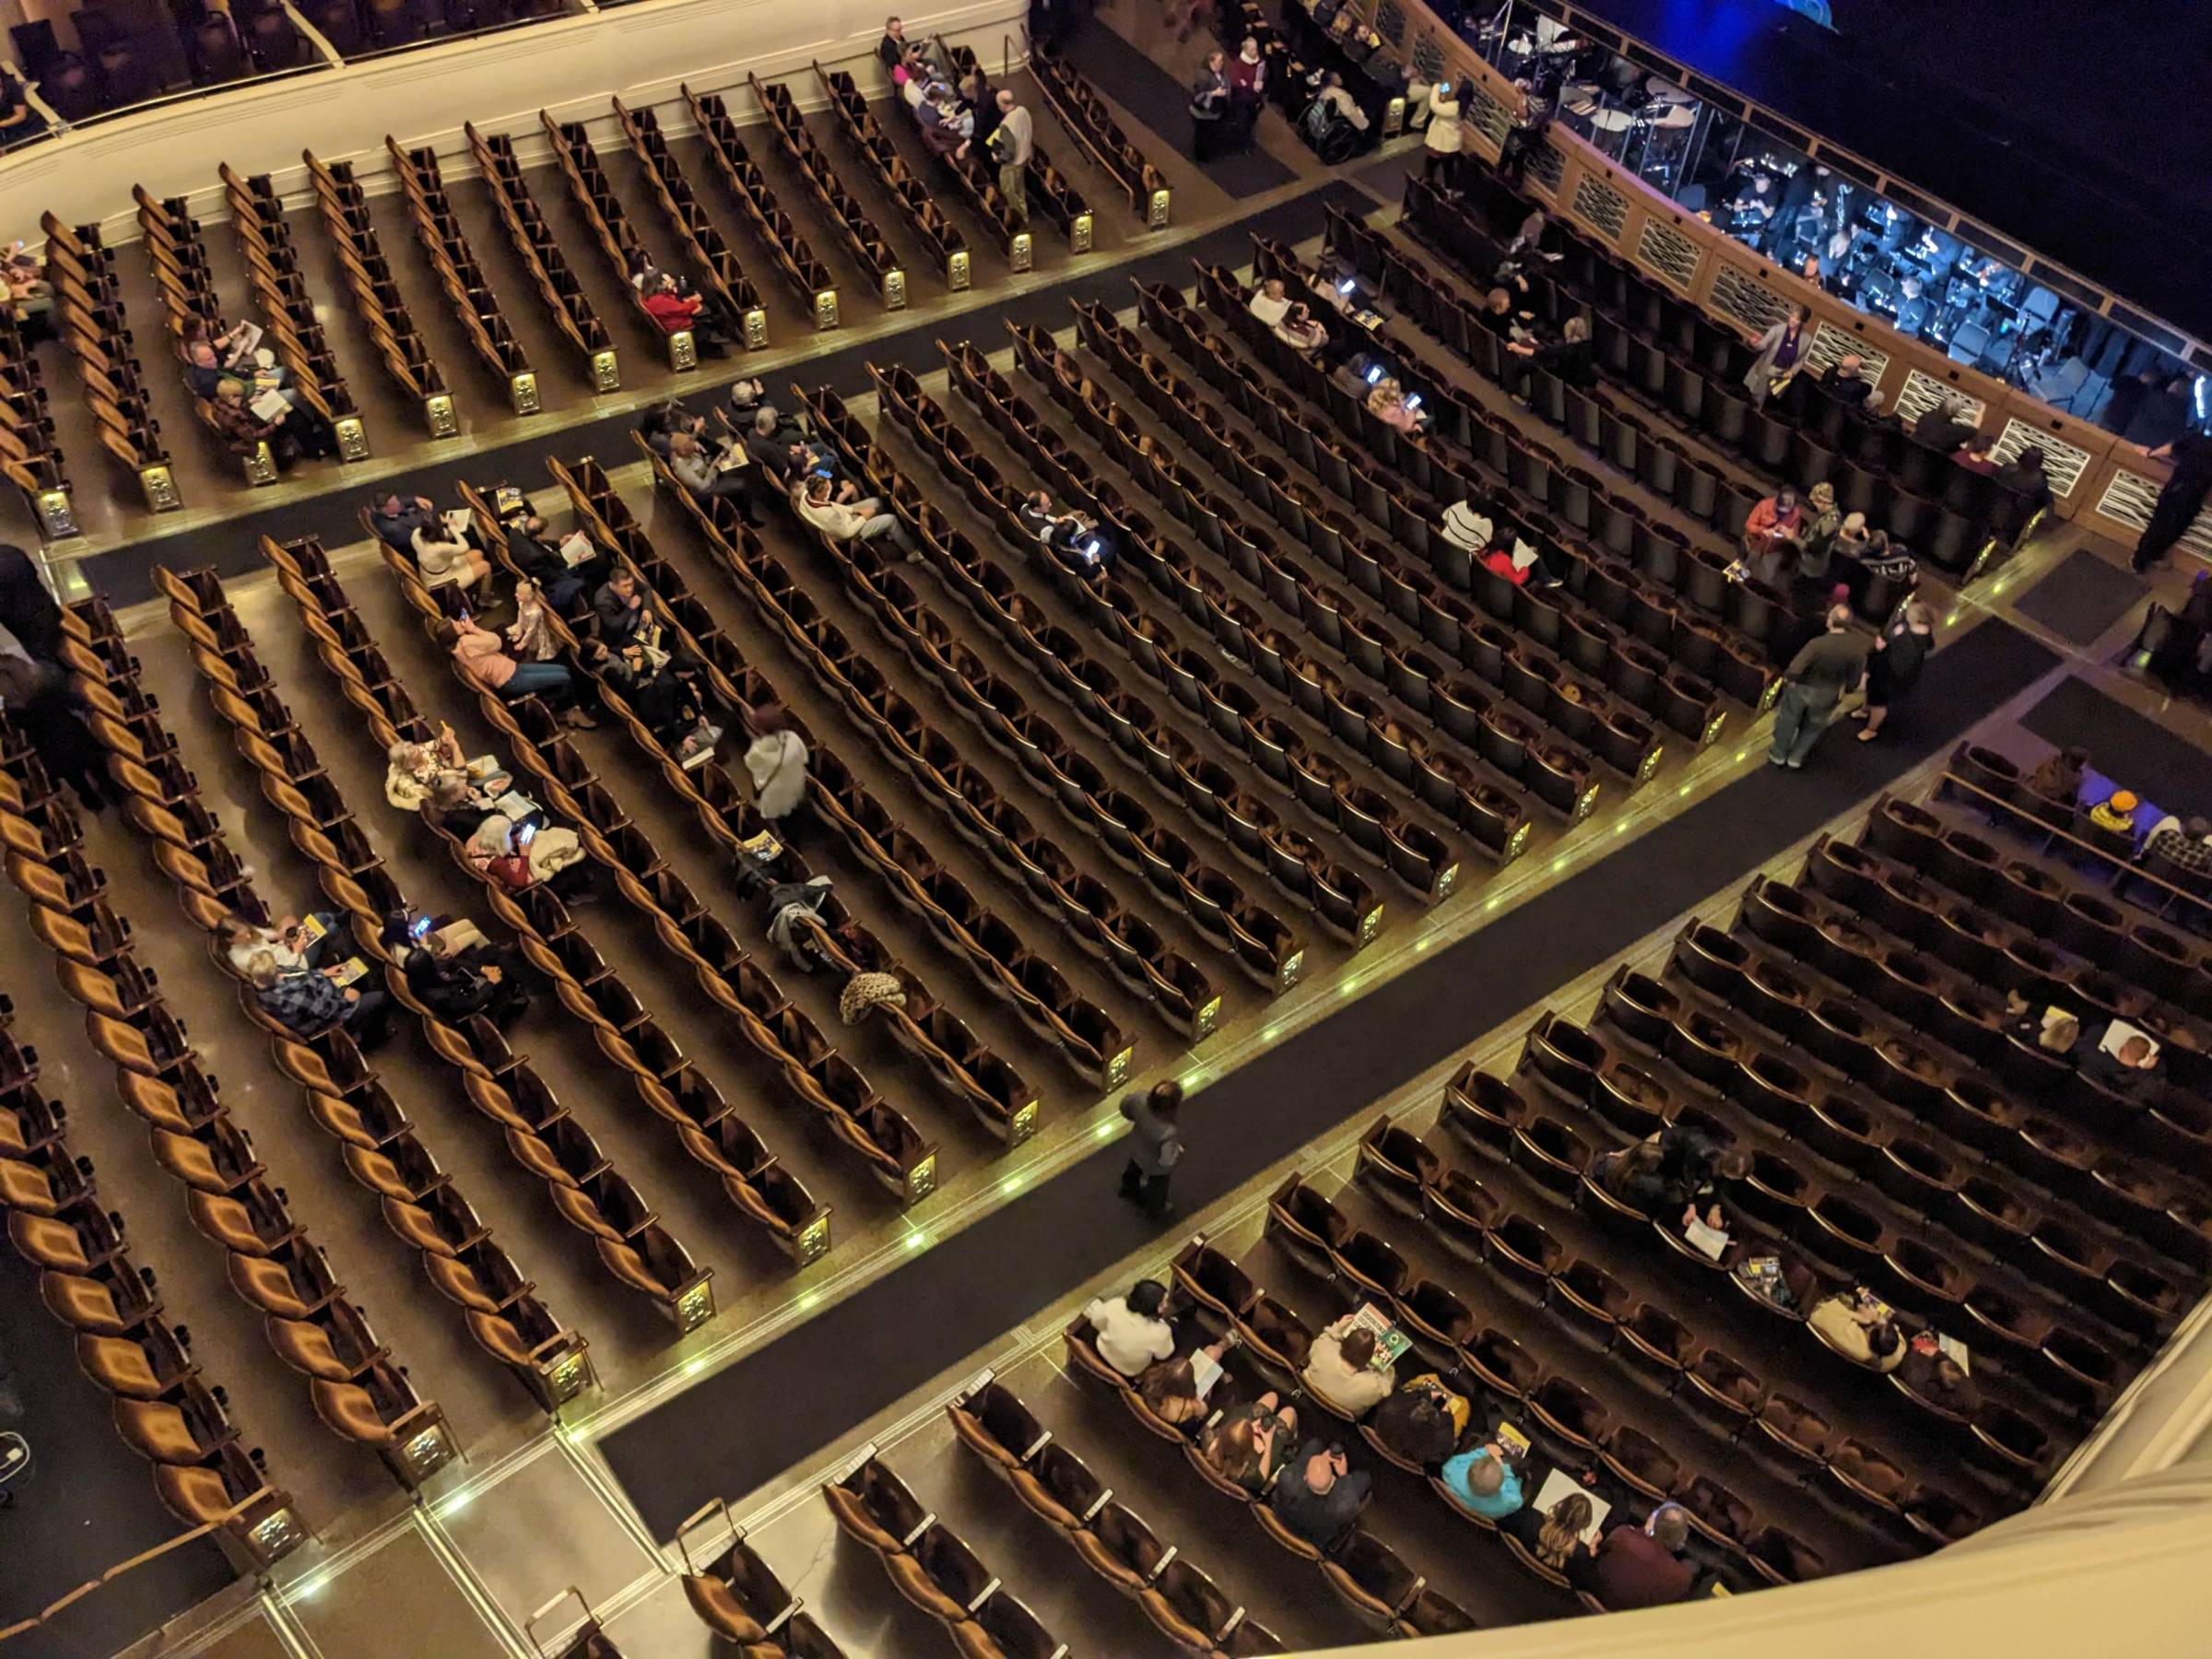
420,927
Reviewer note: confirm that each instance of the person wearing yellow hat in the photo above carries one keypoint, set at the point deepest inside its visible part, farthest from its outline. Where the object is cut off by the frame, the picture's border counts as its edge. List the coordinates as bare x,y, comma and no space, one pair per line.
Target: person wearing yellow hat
2117,814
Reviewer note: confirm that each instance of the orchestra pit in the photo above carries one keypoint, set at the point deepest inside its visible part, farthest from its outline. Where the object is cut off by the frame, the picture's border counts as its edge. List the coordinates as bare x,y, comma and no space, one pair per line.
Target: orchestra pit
1102,827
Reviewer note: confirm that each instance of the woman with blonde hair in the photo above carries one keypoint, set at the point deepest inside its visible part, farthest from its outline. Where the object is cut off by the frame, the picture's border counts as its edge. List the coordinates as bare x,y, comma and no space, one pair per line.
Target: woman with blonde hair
1559,1540
1894,669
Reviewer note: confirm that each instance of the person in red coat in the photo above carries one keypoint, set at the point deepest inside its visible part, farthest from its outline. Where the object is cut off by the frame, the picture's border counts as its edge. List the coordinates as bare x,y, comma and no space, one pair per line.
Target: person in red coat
1642,1566
675,311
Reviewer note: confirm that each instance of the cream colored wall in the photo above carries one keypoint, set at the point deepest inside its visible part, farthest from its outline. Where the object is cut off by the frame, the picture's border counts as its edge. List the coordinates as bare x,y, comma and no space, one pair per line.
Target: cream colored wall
570,65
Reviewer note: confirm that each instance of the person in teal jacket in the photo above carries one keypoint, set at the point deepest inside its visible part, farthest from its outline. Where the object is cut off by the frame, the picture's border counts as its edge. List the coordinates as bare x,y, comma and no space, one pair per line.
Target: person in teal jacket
1482,1482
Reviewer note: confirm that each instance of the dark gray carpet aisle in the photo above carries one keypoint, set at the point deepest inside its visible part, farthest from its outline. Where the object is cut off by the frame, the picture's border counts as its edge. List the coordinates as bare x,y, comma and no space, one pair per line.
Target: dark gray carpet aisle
233,546
783,1404
1163,104
2083,595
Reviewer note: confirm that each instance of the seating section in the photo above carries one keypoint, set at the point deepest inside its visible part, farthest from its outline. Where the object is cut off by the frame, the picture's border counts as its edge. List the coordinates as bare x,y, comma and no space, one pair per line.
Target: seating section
89,315
30,459
702,242
1674,362
468,290
358,1391
1051,191
1084,113
715,268
857,231
926,221
265,242
738,1596
931,1567
165,1406
539,250
377,301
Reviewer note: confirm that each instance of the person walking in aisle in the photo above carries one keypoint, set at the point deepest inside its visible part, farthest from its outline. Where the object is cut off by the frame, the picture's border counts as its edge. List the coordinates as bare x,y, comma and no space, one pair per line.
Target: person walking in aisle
1013,142
2182,499
1813,686
1155,1148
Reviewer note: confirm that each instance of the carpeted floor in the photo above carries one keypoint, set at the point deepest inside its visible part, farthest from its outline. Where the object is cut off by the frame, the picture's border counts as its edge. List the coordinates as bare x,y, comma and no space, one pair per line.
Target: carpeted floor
124,576
2132,749
86,1504
780,1406
1163,103
2082,597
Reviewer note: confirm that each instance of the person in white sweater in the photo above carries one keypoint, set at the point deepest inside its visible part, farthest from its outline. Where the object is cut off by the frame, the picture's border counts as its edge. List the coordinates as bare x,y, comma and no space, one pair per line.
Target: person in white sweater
1128,1331
843,520
1342,1371
776,762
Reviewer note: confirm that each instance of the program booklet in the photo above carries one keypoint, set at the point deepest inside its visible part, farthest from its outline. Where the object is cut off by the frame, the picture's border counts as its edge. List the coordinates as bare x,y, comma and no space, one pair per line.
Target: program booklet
347,972
1708,1242
1205,1370
516,806
483,767
576,549
1955,1351
1511,1442
1557,1485
1390,1342
270,405
507,501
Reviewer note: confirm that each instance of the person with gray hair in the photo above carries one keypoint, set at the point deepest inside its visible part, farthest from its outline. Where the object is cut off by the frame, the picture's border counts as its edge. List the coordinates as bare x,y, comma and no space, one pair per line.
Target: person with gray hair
1642,1566
1813,687
1946,424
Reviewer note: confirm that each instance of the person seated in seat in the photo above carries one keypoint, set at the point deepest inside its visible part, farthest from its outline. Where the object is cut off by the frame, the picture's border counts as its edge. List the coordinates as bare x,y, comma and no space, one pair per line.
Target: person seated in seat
2122,1059
835,512
1319,1494
2059,776
1518,564
1859,1327
545,562
1974,455
479,652
1330,95
1300,330
308,1002
1422,1421
2053,1029
1942,426
2024,475
945,130
1341,1369
1248,1443
661,423
1270,301
1171,1390
668,304
785,451
2117,813
396,518
518,857
1389,403
2186,846
1848,384
1933,1374
244,432
1555,1536
659,698
1127,1329
1467,527
1498,314
725,474
1483,1481
446,559
209,357
1568,356
413,769
455,984
455,807
1642,1566
1774,531
287,941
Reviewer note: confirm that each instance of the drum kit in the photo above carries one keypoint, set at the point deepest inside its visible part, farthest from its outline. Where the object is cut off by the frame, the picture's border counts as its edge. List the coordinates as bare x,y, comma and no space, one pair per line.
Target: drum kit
1652,118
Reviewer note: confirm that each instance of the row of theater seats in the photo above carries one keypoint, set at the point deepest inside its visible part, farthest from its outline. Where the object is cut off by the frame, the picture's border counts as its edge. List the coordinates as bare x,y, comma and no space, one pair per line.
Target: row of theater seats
30,459
1465,443
862,239
1571,666
974,180
88,1279
382,1150
2149,877
917,202
1352,816
623,251
1116,1542
539,248
758,1187
968,1073
468,290
1691,368
749,188
708,254
356,1389
377,301
88,312
738,1596
1048,189
1307,870
1089,1040
1179,991
932,1567
1086,115
279,290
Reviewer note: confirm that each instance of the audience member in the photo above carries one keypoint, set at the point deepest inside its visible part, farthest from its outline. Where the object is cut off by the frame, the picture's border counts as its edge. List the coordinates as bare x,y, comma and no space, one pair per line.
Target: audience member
2058,778
28,609
1342,1371
1942,426
1848,384
1974,455
2116,812
289,942
842,518
1813,686
1933,1374
1900,651
1300,330
308,1002
892,47
482,657
1818,534
1642,1566
1774,528
1127,1329
455,807
2181,498
454,985
1170,1389
726,475
49,716
1555,1536
548,565
396,518
1339,104
411,769
1567,357
1445,138
1388,401
1269,302
1860,1328
1319,1494
1483,1482
1466,527
1419,1423
2024,475
1013,142
1779,350
776,762
2122,1062
2186,846
447,561
1248,1443
674,311
1155,1146
1213,118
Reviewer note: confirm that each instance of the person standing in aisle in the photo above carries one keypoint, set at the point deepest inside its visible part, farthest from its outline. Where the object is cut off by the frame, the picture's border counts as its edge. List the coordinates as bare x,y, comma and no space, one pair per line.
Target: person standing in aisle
1813,687
2180,501
1155,1148
1013,141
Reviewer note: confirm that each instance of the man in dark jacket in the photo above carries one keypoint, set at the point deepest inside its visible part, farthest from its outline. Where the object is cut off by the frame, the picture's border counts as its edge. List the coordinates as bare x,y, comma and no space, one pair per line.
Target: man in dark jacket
1813,686
1317,1496
1155,1146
